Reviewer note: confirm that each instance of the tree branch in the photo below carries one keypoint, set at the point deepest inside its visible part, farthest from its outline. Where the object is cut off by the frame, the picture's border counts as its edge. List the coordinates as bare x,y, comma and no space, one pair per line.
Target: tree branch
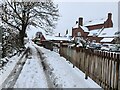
10,24
14,10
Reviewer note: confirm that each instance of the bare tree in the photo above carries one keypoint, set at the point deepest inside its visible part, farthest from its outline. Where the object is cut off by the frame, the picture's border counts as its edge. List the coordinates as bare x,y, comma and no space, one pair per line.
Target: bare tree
20,15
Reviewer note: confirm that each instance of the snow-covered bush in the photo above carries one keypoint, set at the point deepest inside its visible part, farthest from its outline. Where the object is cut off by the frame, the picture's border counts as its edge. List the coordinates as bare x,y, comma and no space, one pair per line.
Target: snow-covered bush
10,42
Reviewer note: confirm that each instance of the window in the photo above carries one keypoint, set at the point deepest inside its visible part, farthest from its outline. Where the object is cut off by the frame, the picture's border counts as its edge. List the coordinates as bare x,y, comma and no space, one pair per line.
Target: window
78,33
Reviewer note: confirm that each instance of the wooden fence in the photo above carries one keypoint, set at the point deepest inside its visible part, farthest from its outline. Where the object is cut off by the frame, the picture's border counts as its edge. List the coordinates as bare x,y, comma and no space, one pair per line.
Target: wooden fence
102,67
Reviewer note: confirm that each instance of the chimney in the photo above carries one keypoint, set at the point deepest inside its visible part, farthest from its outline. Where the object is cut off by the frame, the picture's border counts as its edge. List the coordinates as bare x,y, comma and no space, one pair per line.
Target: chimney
108,23
66,32
109,15
76,22
80,21
59,35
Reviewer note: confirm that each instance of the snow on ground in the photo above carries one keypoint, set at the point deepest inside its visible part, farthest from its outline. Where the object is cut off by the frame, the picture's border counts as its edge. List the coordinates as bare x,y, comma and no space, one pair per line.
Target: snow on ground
65,76
61,72
32,75
7,69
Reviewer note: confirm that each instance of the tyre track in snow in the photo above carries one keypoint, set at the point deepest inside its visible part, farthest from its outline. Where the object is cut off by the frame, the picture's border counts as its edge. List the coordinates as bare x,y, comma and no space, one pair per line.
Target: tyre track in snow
41,79
14,75
51,79
45,68
12,78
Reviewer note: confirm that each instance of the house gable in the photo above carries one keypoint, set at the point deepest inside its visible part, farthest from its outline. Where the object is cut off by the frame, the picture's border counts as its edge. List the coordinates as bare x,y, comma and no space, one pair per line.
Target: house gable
77,31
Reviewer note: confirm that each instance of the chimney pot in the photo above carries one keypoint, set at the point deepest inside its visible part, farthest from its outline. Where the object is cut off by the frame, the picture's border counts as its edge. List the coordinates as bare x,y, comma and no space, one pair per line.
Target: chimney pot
59,35
76,22
109,15
80,21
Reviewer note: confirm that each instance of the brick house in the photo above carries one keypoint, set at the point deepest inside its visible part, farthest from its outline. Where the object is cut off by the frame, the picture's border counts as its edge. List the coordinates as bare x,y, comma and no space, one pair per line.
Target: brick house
91,29
79,29
98,24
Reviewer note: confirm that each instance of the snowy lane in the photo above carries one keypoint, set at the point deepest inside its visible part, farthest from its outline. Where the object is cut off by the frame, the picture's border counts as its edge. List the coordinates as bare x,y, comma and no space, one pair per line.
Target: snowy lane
42,68
32,75
62,73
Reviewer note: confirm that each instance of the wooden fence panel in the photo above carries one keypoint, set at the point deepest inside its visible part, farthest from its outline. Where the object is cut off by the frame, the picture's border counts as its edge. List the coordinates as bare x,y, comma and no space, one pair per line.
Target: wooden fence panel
102,67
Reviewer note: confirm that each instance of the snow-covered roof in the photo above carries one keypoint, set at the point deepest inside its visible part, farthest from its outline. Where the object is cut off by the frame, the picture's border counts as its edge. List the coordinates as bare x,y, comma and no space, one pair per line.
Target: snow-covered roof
108,32
31,31
72,38
94,22
69,33
94,32
75,26
117,34
83,27
48,37
106,39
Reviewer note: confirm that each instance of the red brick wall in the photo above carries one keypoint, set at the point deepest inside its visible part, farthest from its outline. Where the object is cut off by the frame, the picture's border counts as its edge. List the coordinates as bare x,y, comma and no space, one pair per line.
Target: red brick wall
76,30
98,26
108,23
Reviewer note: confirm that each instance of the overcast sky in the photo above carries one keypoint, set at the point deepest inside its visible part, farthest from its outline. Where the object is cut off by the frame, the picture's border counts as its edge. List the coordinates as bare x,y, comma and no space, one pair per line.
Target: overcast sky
70,11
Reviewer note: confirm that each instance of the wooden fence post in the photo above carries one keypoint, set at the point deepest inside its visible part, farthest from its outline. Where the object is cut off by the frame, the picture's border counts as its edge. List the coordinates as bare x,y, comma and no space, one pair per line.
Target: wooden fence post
86,65
60,51
117,71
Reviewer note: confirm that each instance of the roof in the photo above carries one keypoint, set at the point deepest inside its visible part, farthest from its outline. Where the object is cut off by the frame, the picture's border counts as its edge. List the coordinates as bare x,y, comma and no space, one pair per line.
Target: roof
94,22
94,32
48,37
108,32
117,34
75,26
83,27
67,35
69,32
107,40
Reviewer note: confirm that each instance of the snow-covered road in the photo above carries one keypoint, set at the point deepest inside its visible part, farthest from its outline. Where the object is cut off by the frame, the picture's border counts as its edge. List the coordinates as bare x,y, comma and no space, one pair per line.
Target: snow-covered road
32,75
62,73
46,69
